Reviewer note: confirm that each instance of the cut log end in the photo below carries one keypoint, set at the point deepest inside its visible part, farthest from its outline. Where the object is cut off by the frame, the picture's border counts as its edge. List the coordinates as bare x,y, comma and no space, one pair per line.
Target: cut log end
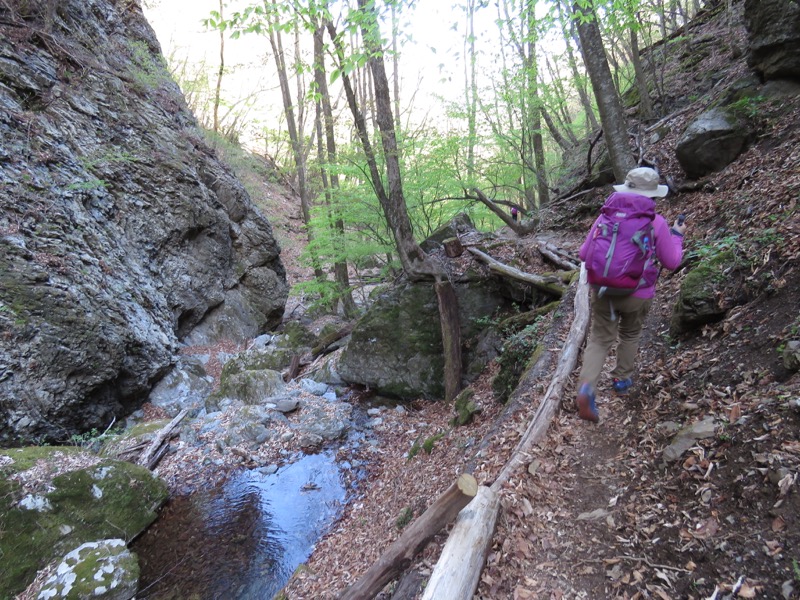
468,485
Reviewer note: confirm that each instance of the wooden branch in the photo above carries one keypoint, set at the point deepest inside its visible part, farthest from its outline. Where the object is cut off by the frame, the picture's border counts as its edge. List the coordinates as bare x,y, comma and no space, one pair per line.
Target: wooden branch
557,257
523,228
473,550
551,285
325,342
457,572
398,556
147,456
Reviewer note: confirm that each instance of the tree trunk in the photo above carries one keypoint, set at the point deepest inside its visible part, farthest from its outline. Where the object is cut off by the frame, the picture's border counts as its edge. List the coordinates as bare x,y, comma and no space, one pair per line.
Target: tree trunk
298,152
591,120
221,71
471,95
611,115
646,106
328,158
416,536
451,337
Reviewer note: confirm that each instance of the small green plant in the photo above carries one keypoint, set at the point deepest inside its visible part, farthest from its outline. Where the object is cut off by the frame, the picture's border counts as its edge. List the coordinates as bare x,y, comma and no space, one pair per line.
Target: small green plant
404,518
85,186
796,569
769,236
92,439
748,106
429,443
149,70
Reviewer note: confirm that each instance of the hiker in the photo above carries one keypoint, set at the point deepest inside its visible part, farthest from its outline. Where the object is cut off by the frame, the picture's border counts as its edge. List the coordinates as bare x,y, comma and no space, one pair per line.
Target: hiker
619,312
514,213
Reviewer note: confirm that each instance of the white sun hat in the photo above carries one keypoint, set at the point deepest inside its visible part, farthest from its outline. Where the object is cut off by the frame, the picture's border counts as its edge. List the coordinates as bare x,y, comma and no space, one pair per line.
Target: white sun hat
643,181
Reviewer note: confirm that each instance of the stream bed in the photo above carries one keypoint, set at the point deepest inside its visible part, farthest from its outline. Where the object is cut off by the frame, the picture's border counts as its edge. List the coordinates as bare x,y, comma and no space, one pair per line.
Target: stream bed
243,539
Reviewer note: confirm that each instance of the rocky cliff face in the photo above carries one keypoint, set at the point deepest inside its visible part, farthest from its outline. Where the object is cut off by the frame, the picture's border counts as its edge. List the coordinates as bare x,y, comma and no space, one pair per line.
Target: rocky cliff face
120,232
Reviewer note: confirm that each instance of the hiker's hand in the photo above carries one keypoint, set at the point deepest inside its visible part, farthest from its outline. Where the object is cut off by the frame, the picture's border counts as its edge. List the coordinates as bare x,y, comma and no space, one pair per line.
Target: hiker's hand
678,227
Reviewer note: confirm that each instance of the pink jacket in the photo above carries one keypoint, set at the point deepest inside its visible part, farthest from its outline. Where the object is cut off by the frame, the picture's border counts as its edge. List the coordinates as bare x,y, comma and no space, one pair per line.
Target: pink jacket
669,251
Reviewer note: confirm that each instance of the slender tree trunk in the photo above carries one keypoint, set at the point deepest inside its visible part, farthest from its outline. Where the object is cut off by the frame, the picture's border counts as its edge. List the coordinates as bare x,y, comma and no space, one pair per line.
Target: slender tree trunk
327,157
415,262
221,71
611,114
471,94
554,132
395,66
298,152
646,106
591,120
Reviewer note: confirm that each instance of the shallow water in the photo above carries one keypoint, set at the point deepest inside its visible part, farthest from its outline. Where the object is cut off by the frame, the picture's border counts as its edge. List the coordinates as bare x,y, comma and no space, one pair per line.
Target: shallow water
244,539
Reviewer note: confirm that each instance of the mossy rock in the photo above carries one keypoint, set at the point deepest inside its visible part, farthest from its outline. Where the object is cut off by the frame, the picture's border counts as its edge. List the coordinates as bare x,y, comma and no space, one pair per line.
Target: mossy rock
465,407
273,359
295,335
103,569
520,352
249,387
698,300
109,499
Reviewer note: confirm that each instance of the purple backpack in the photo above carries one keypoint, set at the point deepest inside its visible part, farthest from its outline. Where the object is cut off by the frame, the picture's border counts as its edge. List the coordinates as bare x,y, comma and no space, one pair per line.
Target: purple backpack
619,258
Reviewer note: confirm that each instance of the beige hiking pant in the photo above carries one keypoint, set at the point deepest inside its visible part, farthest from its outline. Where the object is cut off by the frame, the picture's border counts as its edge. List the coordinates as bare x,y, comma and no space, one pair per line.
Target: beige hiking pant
628,318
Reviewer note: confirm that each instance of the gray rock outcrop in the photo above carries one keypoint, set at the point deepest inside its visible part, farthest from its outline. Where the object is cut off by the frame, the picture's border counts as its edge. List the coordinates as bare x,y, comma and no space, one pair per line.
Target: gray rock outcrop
711,142
773,28
121,234
396,348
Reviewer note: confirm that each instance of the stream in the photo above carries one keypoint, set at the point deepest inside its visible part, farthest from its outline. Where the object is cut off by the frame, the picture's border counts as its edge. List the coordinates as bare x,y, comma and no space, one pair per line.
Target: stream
244,538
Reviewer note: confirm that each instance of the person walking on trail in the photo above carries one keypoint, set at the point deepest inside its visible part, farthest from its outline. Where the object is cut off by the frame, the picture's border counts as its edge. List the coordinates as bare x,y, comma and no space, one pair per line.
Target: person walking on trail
621,299
514,213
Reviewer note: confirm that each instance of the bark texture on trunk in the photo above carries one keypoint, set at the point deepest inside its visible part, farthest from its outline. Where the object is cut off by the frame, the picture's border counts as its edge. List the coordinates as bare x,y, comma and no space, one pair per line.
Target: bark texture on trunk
605,92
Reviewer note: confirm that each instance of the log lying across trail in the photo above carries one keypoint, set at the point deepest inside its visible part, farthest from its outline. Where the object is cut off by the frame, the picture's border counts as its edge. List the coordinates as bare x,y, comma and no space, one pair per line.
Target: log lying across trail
551,285
458,570
399,555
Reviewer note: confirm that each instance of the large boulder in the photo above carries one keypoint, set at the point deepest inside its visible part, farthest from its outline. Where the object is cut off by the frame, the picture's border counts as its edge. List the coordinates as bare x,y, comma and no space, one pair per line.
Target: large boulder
54,499
396,347
702,296
712,142
773,28
121,233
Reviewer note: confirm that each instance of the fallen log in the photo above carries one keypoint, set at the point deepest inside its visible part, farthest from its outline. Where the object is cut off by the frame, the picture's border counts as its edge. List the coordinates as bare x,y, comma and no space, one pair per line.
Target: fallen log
551,285
473,550
398,556
147,457
558,257
461,571
327,341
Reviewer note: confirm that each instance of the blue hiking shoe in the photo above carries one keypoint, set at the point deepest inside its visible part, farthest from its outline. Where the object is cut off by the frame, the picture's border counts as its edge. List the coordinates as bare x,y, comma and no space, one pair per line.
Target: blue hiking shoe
621,386
587,409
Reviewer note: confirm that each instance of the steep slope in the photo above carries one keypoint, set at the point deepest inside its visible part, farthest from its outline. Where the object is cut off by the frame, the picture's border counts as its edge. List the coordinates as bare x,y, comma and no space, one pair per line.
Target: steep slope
615,510
121,233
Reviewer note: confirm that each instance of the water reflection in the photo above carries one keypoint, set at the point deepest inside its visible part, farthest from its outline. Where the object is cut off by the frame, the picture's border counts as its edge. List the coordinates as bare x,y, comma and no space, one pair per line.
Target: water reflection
242,540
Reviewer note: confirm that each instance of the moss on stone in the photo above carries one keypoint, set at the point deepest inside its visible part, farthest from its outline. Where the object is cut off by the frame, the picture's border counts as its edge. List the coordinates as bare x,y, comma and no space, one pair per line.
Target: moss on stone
111,499
520,352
